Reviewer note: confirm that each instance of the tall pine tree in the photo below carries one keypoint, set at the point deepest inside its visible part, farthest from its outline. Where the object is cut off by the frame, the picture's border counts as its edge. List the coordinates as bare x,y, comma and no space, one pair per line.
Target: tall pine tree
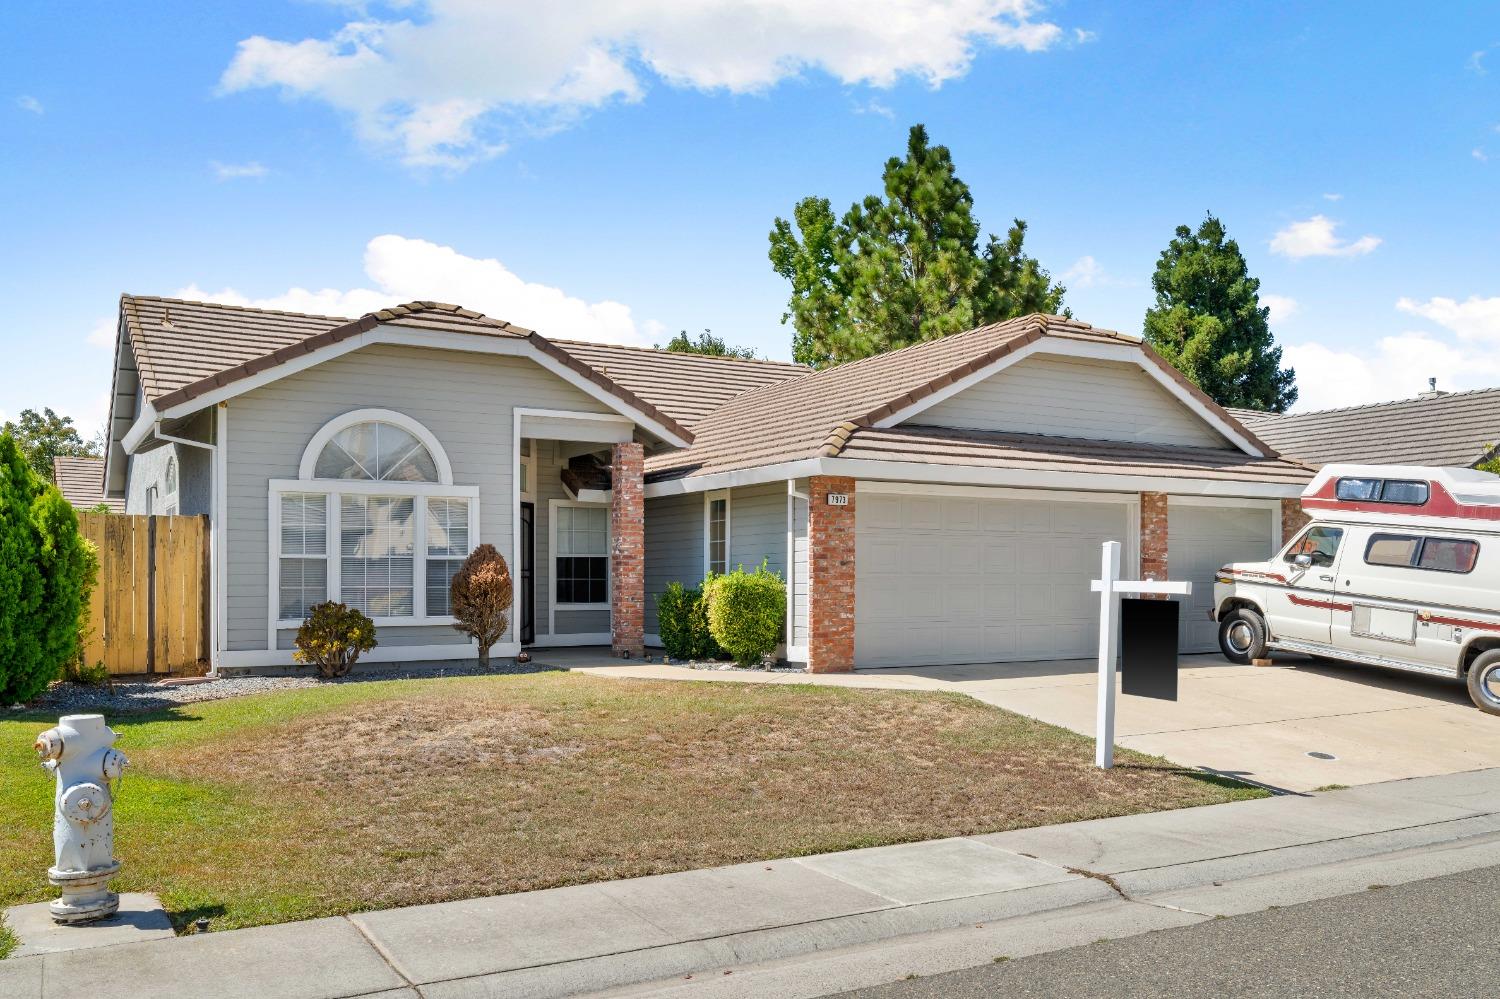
901,267
1209,324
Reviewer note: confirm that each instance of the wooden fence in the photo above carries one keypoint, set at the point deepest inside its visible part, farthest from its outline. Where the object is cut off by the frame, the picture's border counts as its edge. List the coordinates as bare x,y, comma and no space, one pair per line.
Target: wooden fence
149,611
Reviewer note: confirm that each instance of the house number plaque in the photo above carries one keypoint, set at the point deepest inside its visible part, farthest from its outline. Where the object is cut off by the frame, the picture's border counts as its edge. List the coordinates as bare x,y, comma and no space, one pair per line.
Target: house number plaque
838,499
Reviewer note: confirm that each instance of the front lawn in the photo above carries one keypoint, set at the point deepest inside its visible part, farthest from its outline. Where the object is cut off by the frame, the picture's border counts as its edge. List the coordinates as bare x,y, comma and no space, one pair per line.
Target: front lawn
321,801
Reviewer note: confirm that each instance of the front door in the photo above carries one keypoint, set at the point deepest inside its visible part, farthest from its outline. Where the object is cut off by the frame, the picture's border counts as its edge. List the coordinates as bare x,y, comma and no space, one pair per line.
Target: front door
1304,609
528,573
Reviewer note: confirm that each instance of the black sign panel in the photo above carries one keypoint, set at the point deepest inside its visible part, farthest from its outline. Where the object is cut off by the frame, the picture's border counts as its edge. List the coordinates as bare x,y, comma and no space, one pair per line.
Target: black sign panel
1148,647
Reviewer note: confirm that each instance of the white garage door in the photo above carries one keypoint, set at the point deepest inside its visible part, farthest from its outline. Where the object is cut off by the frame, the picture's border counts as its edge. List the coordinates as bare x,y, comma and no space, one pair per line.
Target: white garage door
1200,539
965,580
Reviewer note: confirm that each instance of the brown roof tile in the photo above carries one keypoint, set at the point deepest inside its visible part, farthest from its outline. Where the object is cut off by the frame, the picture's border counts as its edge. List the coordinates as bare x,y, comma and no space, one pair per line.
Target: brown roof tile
1457,429
81,481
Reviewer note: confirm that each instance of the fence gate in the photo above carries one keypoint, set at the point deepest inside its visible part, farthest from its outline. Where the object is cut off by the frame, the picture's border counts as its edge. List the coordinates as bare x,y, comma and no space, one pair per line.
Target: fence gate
148,612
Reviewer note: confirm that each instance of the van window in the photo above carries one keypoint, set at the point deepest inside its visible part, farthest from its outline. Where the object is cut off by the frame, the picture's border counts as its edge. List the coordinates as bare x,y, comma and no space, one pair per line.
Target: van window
1322,543
1404,491
1409,551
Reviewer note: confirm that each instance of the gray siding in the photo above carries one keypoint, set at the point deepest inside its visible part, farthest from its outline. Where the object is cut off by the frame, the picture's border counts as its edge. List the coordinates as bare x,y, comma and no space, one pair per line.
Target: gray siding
464,399
194,470
1074,397
798,578
757,527
674,548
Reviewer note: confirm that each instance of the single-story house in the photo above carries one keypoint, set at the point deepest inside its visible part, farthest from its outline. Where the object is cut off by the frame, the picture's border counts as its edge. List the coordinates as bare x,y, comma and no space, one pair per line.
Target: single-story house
81,481
1458,429
943,503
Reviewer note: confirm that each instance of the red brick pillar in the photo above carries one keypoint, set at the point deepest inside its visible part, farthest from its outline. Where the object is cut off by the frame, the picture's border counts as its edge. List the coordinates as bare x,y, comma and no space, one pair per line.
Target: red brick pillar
1154,537
1292,518
627,551
830,576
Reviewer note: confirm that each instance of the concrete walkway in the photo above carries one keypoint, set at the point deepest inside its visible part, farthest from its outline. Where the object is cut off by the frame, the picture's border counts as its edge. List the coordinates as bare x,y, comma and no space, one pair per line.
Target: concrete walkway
809,926
1256,723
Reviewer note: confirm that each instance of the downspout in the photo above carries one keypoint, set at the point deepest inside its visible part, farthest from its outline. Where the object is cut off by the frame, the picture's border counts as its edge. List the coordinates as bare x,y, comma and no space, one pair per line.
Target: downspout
213,527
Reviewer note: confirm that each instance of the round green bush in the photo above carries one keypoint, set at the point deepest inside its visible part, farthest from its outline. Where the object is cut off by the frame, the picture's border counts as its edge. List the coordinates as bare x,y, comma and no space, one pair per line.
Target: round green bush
746,613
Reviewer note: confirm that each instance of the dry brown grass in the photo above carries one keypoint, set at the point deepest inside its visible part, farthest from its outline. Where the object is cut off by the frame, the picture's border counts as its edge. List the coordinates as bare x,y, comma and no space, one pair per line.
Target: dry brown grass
421,791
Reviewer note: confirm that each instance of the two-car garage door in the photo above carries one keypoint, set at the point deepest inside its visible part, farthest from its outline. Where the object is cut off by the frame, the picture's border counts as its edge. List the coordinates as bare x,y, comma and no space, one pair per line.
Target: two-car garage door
965,579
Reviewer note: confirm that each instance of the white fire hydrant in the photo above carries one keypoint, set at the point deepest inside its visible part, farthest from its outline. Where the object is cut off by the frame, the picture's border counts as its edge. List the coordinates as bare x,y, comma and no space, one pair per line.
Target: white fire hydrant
79,751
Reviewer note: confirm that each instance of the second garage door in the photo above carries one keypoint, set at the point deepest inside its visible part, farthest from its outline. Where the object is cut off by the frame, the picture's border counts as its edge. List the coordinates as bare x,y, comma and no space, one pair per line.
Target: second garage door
941,580
1200,539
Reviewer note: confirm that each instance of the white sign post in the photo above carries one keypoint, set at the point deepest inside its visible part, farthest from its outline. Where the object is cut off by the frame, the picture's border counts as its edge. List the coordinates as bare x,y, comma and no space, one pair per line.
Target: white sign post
1110,586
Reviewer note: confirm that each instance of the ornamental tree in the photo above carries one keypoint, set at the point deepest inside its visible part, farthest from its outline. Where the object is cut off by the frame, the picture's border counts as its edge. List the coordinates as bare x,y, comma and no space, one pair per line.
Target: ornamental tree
481,594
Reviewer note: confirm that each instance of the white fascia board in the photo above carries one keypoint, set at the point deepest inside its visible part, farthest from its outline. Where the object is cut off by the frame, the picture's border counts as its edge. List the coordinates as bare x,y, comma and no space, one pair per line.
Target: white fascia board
1058,347
1027,478
140,430
738,477
408,337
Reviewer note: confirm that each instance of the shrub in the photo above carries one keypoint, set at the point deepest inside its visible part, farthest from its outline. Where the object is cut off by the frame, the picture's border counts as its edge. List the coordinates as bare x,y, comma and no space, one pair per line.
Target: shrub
77,670
43,567
682,622
333,637
481,594
746,612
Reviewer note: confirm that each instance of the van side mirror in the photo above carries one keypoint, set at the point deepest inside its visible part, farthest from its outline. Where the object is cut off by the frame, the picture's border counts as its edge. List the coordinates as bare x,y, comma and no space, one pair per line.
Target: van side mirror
1302,561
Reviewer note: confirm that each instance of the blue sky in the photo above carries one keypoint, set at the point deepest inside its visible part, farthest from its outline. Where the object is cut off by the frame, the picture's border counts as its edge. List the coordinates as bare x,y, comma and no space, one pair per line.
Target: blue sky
611,169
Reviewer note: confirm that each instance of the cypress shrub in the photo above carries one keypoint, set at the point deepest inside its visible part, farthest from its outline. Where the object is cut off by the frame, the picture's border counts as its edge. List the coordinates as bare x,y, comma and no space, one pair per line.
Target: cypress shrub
480,595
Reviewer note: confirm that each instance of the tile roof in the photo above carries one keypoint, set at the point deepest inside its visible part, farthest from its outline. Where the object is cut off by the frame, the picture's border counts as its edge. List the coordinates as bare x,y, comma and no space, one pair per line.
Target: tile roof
937,446
1457,429
686,386
815,415
186,349
81,481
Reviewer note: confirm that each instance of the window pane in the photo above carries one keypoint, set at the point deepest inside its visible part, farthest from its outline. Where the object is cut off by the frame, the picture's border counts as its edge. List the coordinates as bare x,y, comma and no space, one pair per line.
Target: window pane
1358,489
304,582
336,463
376,554
1447,555
1399,491
376,450
1322,543
582,580
1392,549
440,573
447,527
304,524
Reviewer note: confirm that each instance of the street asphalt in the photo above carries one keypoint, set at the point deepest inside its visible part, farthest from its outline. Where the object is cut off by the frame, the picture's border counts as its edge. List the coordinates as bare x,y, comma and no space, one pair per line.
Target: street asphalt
1439,937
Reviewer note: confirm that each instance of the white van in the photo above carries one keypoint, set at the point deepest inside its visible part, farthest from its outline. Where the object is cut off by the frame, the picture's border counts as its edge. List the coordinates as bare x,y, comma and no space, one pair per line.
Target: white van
1400,568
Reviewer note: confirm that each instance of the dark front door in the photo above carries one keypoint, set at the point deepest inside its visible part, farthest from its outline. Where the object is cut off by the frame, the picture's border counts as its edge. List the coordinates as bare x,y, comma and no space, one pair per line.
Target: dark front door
528,573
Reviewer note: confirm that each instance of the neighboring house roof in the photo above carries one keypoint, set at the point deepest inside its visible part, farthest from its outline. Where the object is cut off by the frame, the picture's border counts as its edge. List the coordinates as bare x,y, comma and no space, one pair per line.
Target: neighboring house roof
687,386
1456,429
184,350
81,481
815,416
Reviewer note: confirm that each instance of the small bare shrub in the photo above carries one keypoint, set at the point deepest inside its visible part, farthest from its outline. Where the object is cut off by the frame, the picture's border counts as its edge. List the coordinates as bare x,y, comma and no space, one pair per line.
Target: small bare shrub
481,594
333,637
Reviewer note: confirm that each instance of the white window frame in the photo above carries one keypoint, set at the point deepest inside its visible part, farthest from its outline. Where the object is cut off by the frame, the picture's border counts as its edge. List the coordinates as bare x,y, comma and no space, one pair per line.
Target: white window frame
172,476
553,605
336,489
708,503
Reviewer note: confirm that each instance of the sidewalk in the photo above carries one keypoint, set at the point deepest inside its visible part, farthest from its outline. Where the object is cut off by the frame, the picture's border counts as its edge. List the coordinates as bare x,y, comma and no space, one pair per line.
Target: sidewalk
813,925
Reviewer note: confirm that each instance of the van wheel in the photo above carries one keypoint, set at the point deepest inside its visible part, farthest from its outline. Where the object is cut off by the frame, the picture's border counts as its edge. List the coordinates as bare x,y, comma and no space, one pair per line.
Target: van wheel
1242,636
1484,682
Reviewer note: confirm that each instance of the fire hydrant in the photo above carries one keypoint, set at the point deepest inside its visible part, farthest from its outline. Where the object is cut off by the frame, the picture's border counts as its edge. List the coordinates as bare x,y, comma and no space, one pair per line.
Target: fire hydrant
79,751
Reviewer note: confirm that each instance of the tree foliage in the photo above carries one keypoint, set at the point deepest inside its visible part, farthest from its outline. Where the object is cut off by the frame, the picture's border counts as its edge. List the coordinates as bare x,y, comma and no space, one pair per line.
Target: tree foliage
708,344
1209,324
44,568
901,267
746,612
44,436
682,617
481,594
333,637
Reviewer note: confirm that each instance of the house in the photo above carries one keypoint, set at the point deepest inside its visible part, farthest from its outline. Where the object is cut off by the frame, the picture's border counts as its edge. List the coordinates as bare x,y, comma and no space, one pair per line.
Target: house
944,503
1458,429
81,481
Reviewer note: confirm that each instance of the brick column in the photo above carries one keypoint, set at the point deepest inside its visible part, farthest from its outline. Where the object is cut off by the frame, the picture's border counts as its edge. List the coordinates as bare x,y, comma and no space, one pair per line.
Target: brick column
1292,519
830,576
627,551
1154,537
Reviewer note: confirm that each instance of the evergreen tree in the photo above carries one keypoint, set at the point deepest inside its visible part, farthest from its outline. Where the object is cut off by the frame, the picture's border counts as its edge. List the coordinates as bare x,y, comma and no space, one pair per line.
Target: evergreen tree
708,344
901,267
1209,324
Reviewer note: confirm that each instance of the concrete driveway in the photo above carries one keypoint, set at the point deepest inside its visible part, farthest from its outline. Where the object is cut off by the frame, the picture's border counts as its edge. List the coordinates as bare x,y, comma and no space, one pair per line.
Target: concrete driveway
1259,723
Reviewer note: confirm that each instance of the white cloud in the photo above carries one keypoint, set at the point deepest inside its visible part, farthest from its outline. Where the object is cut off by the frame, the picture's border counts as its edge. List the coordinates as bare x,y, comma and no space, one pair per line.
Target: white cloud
440,88
1475,63
1315,237
28,103
1087,272
1474,318
1281,306
873,106
403,269
1333,197
237,171
1082,36
104,332
1396,368
1479,154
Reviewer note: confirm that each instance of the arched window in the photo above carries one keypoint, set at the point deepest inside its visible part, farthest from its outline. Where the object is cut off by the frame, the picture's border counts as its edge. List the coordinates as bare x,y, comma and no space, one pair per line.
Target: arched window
374,520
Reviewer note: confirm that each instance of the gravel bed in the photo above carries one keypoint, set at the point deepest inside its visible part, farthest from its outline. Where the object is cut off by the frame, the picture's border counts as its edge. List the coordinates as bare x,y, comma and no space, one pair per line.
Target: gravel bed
734,667
132,697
